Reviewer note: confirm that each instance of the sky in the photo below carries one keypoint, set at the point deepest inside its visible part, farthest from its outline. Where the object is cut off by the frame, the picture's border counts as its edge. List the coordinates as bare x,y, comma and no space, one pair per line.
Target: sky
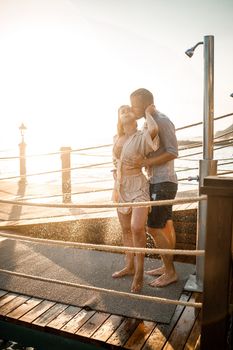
67,65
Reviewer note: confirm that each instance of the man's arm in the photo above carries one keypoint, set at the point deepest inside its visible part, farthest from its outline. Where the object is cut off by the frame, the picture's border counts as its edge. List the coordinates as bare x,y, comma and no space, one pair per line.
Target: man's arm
158,160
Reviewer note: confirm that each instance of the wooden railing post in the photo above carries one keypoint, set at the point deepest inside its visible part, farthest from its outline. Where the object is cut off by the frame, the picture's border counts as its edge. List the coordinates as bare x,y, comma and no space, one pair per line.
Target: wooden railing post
66,178
218,263
22,161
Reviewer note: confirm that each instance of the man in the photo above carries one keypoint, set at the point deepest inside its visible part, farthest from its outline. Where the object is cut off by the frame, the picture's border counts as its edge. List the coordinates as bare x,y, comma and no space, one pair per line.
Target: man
163,186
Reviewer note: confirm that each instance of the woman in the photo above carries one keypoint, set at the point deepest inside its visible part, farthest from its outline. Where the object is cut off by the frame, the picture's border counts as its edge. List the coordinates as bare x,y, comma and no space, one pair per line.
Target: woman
131,185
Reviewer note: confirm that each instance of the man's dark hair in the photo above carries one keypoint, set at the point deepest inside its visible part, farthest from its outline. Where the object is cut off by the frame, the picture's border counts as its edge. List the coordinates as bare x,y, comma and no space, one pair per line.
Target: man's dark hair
144,94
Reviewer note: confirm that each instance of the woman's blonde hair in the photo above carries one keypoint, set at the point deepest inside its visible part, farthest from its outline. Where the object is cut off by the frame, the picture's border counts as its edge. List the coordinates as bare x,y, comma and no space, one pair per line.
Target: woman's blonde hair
120,129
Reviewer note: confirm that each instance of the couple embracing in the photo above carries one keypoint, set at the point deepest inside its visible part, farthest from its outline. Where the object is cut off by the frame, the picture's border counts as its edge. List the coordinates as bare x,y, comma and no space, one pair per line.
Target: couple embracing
154,148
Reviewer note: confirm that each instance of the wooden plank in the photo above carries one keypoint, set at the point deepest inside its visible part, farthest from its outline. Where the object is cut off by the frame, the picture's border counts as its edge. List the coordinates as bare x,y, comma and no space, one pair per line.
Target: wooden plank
37,311
24,308
64,317
123,332
13,304
159,336
140,335
108,327
7,297
193,341
92,324
77,321
50,314
182,330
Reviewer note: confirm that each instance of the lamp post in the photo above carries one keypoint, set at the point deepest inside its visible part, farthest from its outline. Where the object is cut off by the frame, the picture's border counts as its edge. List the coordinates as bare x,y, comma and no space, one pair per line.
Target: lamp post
207,166
22,154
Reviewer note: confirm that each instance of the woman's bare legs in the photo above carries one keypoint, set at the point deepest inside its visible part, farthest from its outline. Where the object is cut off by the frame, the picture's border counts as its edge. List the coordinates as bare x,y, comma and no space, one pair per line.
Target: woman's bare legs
125,221
138,222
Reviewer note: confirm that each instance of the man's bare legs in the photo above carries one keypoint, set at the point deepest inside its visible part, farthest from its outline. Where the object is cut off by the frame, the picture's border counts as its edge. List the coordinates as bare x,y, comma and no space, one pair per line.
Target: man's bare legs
125,221
133,228
164,238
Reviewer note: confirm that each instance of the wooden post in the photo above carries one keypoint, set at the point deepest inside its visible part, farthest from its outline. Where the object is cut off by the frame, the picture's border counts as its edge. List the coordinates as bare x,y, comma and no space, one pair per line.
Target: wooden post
218,263
66,178
22,161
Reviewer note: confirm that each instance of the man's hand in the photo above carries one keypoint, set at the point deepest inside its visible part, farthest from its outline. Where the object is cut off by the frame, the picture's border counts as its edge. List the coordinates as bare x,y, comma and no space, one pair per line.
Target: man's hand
136,162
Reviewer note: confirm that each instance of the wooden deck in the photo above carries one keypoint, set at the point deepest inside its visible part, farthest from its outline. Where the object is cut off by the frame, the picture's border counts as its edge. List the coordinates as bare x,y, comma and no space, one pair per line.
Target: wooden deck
45,324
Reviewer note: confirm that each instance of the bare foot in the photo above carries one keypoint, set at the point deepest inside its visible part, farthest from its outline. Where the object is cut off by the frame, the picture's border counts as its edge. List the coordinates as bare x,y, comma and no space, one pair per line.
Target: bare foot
156,272
126,271
164,280
137,284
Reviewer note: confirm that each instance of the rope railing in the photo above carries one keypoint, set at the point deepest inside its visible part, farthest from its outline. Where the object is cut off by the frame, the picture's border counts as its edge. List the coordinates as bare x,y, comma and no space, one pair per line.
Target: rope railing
108,248
102,247
107,205
104,290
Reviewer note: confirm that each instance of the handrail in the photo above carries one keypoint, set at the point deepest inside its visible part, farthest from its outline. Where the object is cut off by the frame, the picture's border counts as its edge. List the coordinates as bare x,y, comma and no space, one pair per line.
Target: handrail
199,123
107,205
108,163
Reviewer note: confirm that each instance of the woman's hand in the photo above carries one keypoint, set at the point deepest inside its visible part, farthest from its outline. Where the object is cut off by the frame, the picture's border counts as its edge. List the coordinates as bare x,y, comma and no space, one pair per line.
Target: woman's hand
150,110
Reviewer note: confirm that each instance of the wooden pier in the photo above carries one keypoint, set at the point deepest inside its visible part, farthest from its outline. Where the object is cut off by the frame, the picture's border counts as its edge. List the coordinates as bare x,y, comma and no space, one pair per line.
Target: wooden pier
48,325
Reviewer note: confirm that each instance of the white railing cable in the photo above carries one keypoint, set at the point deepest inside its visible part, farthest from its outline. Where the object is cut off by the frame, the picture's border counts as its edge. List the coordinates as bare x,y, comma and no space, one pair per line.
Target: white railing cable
199,123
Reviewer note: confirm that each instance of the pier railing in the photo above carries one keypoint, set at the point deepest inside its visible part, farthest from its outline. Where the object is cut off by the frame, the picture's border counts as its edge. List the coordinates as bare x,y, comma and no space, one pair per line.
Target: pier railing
68,156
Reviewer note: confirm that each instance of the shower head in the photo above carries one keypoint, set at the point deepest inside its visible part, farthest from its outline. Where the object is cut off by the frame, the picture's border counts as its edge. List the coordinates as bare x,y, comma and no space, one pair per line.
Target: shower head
190,51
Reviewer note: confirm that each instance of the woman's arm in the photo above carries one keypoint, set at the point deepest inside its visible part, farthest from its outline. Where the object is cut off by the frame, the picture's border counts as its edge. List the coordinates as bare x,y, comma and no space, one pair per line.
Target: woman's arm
151,123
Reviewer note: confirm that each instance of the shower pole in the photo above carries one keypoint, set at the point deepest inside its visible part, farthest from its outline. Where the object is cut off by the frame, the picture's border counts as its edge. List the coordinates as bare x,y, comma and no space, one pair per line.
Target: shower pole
207,166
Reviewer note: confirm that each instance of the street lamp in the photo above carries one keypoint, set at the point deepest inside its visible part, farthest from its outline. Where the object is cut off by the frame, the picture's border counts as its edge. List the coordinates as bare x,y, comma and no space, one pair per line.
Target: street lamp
207,166
22,129
22,154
